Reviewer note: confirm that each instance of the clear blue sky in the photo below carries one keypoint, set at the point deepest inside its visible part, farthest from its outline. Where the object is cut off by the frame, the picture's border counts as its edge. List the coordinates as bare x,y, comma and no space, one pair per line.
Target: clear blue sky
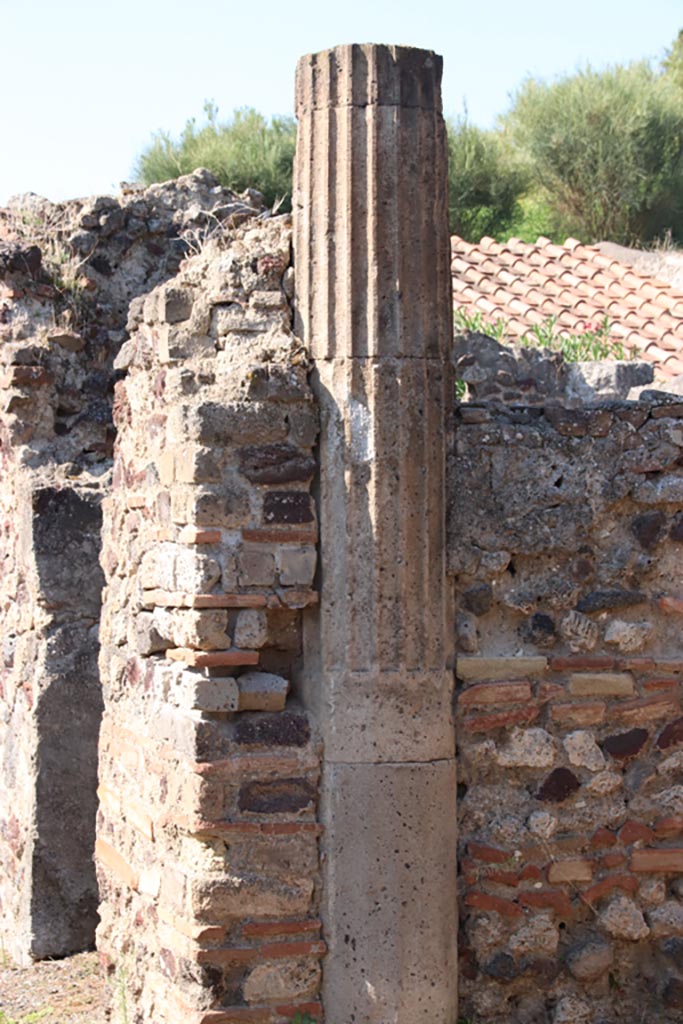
86,83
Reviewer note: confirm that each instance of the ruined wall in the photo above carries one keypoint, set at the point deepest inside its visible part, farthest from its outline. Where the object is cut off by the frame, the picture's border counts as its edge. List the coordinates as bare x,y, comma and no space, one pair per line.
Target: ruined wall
50,582
207,834
566,530
67,274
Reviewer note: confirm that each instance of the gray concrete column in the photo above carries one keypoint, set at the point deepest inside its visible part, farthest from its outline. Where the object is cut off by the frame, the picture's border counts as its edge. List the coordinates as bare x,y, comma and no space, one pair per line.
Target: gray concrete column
373,303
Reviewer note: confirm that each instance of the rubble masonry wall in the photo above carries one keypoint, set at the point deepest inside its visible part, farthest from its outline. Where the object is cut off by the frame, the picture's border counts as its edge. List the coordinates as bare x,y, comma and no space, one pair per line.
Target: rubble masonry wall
565,544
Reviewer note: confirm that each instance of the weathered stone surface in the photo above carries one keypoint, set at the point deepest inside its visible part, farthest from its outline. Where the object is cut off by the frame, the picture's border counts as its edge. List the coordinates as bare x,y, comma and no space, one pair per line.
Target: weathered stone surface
673,994
479,669
626,744
286,730
572,1010
423,882
282,795
542,823
589,960
284,507
607,684
466,633
629,636
580,632
558,786
666,920
502,967
623,920
540,630
478,598
287,981
251,629
262,691
539,935
562,871
671,735
527,748
648,529
583,751
606,600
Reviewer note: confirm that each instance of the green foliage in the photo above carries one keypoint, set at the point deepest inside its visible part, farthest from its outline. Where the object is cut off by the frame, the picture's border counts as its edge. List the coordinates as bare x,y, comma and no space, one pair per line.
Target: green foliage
467,320
535,217
673,61
246,151
590,344
484,182
605,150
299,1018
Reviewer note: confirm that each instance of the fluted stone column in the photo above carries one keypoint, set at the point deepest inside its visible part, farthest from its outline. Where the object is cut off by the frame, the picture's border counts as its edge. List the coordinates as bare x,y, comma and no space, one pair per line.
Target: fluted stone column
373,303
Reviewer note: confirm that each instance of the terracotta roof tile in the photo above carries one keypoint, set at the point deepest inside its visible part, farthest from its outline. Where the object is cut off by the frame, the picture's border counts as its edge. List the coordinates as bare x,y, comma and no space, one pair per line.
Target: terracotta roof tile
576,284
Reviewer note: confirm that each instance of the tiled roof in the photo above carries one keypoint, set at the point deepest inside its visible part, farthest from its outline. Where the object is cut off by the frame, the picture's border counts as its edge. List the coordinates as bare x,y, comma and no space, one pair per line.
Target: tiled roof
576,284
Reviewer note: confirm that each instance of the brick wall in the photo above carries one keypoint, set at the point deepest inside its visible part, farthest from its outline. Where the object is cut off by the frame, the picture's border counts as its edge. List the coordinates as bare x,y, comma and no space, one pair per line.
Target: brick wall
68,272
566,530
207,834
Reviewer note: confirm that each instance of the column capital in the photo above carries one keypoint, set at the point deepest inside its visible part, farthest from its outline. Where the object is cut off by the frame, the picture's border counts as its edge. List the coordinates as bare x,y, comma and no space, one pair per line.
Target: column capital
364,74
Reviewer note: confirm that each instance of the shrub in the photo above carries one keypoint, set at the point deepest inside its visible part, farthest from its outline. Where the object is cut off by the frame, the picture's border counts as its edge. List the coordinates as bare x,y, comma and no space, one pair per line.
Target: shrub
484,183
673,61
591,343
246,151
606,148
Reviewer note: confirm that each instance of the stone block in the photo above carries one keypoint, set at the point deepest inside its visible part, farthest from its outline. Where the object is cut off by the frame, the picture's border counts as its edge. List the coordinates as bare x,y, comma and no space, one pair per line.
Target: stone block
602,684
666,920
412,842
285,980
197,465
287,729
240,423
195,691
296,565
175,343
251,629
287,507
277,796
228,507
175,304
262,691
255,567
202,629
276,464
583,751
527,748
623,919
480,669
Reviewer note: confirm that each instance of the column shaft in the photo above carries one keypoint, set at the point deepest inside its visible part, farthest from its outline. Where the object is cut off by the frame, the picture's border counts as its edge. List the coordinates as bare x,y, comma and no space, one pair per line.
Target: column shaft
373,305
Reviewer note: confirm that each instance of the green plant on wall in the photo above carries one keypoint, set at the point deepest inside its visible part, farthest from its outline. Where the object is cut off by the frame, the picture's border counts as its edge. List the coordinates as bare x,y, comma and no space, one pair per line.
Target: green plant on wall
591,343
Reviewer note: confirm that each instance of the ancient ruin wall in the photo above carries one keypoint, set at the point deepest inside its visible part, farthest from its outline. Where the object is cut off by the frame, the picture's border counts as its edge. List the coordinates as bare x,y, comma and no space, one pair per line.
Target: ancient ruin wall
207,835
566,532
53,445
67,274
